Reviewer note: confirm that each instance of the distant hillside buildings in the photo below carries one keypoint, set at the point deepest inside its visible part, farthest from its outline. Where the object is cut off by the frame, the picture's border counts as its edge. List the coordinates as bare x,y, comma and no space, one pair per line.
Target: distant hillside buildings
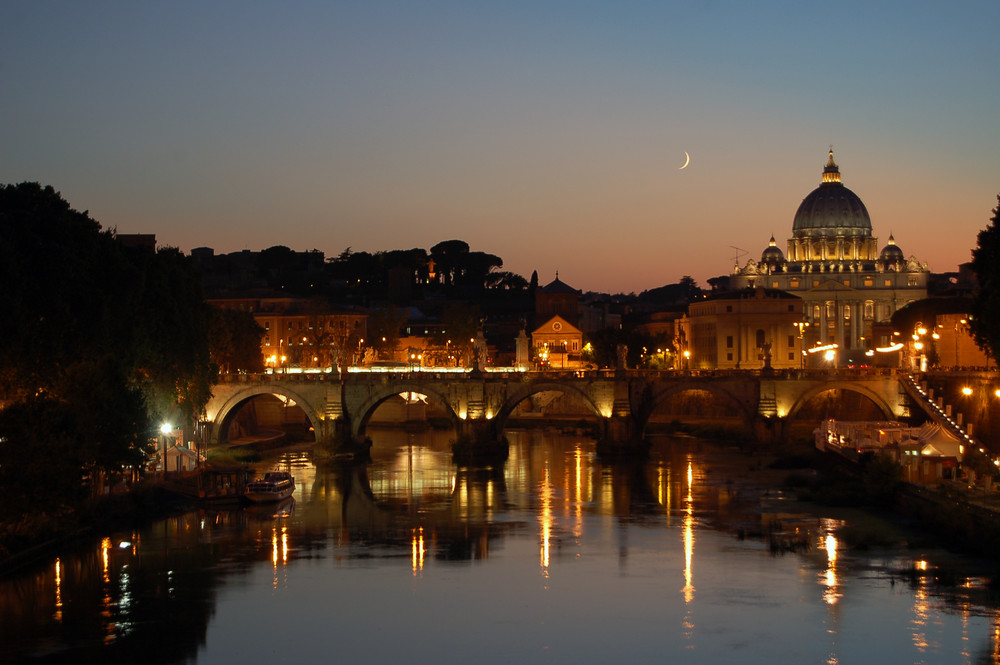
827,300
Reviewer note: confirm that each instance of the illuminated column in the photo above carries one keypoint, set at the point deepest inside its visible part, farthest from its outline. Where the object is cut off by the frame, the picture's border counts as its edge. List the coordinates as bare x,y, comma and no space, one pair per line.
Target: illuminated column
839,314
857,324
822,337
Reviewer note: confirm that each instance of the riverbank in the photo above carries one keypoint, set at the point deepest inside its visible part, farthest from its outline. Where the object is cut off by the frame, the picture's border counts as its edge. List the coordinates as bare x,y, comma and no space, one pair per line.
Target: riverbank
34,537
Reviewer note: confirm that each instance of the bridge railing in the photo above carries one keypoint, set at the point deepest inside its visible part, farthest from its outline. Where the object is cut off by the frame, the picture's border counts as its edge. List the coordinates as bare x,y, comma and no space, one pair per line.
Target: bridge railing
932,409
845,373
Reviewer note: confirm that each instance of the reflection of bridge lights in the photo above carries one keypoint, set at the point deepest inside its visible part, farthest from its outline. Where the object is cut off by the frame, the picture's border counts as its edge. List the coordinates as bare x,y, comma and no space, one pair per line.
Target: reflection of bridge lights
58,581
418,550
545,516
689,539
830,594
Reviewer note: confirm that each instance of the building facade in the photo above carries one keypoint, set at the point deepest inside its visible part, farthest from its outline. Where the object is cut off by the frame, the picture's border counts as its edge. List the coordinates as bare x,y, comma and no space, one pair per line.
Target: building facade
752,328
299,334
847,285
558,344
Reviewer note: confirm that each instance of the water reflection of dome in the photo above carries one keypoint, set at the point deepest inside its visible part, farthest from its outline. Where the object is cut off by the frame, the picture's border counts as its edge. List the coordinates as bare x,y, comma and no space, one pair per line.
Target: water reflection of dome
831,209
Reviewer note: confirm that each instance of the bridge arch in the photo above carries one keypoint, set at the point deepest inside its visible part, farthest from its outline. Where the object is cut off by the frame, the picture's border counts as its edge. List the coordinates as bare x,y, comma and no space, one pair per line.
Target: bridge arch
232,404
525,391
855,387
746,412
362,413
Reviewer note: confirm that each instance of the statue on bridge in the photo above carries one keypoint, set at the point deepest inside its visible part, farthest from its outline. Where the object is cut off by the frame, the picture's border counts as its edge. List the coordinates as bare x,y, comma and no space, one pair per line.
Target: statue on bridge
765,354
622,351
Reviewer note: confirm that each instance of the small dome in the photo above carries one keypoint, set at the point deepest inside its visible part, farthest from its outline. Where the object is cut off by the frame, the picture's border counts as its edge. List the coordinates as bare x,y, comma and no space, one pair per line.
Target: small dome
831,209
772,255
891,252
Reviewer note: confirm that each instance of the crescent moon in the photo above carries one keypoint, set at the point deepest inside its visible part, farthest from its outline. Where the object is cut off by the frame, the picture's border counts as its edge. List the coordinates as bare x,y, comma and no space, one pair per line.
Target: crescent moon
687,160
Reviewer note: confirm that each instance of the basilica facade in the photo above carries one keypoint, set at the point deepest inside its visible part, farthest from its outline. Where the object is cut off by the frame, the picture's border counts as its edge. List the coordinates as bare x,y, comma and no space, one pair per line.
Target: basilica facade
833,263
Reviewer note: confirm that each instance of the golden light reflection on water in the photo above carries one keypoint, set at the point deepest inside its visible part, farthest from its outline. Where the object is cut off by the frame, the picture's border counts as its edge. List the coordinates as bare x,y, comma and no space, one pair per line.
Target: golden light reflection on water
105,548
58,615
689,538
921,610
279,549
545,519
107,601
831,592
417,550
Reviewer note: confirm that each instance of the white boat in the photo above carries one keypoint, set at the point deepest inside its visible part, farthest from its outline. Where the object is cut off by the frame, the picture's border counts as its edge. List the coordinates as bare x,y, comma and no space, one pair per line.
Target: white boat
274,486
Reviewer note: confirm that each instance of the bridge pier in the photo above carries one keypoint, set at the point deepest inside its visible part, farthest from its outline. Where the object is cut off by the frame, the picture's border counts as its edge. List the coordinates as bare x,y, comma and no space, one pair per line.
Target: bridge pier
621,439
479,444
770,429
341,441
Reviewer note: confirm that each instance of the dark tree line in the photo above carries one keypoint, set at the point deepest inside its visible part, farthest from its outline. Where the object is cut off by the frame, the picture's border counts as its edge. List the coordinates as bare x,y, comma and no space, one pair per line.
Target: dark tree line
99,342
985,323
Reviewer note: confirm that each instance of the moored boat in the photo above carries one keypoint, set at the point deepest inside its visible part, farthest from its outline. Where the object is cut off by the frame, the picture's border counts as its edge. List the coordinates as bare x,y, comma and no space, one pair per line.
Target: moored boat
274,486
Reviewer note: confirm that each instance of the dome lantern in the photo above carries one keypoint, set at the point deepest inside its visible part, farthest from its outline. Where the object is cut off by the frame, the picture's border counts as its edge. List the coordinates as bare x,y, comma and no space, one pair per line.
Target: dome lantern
831,173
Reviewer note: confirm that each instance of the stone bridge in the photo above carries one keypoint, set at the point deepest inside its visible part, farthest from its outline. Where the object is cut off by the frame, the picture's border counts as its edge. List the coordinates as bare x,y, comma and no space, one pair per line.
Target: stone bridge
480,403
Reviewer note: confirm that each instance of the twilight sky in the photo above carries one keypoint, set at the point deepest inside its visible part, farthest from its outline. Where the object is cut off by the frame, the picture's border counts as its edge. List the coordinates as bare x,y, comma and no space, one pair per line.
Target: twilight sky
548,133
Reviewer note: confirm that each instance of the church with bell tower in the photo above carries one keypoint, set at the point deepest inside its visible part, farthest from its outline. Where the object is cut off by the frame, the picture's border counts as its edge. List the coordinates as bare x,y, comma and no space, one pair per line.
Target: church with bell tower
832,262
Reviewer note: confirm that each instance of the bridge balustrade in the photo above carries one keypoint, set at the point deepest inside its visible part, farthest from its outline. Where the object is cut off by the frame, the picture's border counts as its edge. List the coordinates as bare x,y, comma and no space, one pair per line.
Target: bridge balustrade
556,375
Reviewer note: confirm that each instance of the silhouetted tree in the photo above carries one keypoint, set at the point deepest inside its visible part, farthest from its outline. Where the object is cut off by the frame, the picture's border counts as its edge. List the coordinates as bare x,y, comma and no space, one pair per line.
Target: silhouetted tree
985,323
384,326
235,341
448,256
88,323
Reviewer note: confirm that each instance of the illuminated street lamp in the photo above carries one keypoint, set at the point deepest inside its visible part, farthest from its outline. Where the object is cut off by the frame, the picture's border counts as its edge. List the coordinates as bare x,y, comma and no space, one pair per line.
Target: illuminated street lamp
802,325
919,357
165,429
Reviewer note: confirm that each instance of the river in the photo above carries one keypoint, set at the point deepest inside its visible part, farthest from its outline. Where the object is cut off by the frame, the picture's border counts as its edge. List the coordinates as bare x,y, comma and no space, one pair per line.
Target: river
693,557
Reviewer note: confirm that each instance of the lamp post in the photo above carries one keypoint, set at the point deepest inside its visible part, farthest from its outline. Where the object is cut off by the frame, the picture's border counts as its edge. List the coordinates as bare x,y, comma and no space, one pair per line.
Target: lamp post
165,429
959,329
919,358
802,325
